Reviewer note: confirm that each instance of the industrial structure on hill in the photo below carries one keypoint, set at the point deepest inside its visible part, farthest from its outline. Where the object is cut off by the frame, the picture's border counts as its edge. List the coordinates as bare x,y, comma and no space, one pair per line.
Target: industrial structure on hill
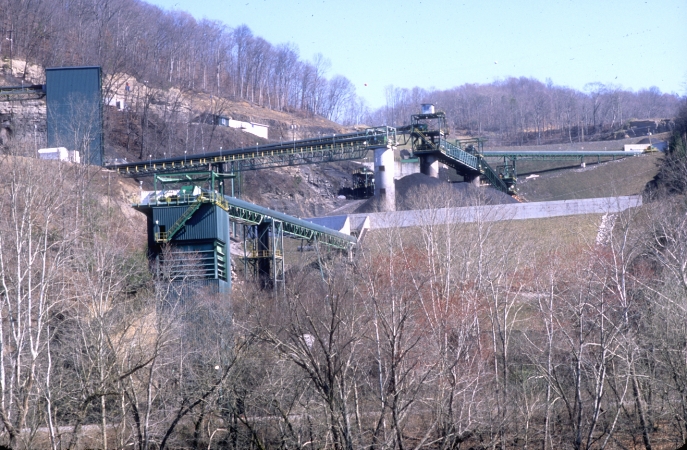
190,219
74,109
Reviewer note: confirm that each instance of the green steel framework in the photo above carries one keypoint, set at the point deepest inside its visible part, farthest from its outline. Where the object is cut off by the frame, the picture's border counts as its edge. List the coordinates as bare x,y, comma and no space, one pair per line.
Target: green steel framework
307,151
246,213
239,211
263,253
426,141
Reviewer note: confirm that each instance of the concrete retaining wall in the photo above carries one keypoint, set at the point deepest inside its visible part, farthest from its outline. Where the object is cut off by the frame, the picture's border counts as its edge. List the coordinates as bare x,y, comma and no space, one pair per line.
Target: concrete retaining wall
514,211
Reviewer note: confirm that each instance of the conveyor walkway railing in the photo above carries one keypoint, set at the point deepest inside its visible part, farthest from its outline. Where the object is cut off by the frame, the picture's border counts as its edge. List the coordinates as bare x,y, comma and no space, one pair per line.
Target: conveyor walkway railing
241,211
459,159
459,155
306,151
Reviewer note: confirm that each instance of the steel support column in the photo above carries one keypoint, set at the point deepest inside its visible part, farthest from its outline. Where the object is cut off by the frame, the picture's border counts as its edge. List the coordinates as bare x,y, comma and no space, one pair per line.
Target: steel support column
263,253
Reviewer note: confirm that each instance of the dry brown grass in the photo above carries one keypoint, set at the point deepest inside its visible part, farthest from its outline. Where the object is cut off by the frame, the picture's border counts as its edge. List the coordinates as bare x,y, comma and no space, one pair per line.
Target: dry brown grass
627,176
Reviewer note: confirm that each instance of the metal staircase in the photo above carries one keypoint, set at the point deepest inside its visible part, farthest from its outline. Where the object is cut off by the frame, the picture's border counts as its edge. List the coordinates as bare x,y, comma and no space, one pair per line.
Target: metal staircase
460,160
456,155
166,236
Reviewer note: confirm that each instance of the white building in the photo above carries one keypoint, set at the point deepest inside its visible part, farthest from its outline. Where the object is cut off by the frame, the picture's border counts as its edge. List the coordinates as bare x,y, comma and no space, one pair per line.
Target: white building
59,154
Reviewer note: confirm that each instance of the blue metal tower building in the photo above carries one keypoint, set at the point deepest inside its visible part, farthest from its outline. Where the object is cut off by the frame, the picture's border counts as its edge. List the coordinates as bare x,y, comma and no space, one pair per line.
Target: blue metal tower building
188,232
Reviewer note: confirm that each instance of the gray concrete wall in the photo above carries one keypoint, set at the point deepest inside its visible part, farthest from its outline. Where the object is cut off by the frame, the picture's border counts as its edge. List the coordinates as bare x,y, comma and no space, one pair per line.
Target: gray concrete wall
401,169
514,211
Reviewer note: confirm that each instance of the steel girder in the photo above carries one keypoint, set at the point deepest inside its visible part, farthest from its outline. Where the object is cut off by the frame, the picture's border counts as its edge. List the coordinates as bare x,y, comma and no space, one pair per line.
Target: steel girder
307,151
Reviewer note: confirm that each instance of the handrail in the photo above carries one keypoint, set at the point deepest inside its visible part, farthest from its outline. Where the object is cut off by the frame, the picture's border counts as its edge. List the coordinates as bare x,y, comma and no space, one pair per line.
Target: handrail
492,177
458,153
474,162
248,213
305,151
255,254
181,221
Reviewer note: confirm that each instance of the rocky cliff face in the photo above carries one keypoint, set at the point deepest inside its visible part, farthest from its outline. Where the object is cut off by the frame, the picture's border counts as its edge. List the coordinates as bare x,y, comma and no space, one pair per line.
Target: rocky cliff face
302,191
143,120
22,121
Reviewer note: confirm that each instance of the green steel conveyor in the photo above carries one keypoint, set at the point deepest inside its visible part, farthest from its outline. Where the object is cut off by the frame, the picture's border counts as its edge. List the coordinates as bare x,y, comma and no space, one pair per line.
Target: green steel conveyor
306,151
558,155
244,212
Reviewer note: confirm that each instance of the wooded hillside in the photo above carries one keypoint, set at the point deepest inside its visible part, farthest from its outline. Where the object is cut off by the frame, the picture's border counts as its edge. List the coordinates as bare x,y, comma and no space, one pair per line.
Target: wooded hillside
172,49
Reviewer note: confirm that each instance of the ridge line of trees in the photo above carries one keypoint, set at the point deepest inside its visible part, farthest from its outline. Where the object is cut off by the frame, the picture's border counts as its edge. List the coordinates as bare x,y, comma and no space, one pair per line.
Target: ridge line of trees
173,49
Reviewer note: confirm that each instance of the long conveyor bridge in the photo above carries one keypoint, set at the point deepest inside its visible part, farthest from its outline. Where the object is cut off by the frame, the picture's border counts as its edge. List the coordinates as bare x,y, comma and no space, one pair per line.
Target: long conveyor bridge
558,155
305,151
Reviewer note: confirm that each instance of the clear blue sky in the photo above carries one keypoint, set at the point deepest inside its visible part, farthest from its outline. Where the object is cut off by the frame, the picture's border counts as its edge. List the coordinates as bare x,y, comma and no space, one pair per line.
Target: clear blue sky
442,44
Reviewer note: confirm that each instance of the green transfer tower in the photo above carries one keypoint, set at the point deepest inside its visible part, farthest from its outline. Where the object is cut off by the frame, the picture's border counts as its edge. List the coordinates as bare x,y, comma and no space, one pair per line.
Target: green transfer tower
188,232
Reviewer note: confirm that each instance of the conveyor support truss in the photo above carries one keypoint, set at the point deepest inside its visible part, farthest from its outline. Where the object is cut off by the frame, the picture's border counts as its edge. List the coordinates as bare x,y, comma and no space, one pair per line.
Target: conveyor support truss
248,213
307,151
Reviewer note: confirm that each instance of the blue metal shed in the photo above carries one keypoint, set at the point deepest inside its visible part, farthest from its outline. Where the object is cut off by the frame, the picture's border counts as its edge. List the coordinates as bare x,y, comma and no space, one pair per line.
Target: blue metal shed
75,113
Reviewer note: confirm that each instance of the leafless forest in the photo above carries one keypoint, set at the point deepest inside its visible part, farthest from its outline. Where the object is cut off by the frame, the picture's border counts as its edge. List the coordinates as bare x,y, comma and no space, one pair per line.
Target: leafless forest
483,335
165,49
490,335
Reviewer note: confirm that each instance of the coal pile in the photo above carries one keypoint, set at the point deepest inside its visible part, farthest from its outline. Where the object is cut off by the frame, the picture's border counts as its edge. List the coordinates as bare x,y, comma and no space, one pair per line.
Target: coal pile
419,191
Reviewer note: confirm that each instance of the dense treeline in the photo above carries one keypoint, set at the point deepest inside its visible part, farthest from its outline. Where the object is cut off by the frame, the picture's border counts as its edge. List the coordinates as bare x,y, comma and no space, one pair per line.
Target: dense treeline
171,48
481,335
671,177
525,110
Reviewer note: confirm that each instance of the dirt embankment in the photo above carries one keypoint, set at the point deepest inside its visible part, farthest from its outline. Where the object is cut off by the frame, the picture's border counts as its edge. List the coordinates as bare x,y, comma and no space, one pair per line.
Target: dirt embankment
284,125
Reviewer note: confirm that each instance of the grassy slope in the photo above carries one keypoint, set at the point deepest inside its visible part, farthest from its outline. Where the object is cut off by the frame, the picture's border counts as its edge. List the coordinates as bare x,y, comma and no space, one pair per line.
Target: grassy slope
628,176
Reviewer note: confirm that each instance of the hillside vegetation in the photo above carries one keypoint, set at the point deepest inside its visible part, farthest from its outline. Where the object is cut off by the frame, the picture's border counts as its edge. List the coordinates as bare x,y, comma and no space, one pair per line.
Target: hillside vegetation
165,49
559,333
437,336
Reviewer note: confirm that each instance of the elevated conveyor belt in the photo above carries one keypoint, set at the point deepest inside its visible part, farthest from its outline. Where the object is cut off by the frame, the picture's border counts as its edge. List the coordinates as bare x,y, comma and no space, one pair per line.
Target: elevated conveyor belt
244,212
28,92
482,165
307,151
239,209
557,155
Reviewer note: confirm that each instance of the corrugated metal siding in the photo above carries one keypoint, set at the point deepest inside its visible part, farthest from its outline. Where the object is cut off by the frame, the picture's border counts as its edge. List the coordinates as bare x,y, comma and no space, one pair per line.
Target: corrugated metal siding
208,222
191,290
75,114
194,247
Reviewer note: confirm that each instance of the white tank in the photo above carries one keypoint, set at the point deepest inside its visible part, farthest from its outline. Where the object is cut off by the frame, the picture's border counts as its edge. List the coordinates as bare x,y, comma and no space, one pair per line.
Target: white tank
427,108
